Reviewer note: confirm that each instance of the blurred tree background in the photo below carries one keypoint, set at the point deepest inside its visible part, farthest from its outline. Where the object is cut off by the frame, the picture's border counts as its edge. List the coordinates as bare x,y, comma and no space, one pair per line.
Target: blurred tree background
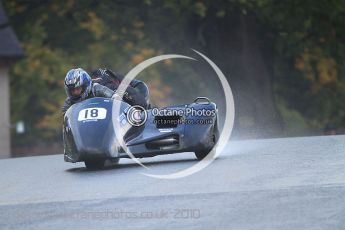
283,59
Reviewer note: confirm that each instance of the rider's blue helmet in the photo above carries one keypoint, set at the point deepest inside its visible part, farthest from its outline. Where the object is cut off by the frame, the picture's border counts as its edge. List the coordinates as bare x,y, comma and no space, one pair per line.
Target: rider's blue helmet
77,84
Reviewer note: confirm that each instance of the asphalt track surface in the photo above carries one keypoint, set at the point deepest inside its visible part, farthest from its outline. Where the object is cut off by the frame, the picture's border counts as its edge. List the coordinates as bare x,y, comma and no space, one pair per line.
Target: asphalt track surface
290,183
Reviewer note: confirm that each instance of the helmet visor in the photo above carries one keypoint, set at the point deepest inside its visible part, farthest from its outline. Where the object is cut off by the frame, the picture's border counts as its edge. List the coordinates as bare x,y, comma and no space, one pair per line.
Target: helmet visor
74,92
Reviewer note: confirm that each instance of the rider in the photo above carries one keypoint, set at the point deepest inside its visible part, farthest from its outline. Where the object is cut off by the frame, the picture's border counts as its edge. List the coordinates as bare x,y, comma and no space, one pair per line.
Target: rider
79,86
137,92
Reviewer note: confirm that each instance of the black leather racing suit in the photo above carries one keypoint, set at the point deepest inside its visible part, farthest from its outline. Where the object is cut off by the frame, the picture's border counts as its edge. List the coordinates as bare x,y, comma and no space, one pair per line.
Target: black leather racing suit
97,90
137,92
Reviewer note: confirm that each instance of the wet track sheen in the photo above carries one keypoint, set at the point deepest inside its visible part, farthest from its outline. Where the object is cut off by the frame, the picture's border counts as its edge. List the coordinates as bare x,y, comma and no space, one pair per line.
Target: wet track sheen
292,183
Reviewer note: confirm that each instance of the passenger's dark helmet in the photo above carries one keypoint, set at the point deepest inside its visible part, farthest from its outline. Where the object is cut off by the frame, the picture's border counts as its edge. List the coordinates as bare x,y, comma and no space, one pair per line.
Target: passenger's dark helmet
106,77
75,79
